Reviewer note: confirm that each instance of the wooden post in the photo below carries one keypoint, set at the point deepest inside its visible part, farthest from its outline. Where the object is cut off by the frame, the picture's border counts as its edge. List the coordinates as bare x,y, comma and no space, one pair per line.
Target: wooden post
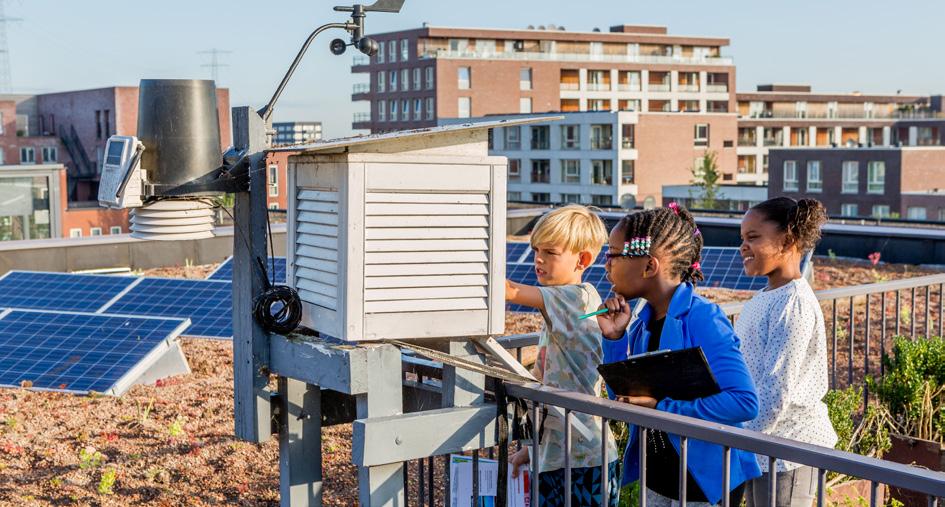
300,452
383,485
250,343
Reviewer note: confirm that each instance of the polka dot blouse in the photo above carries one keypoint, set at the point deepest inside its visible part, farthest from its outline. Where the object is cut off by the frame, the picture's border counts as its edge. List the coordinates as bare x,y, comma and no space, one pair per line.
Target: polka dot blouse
785,347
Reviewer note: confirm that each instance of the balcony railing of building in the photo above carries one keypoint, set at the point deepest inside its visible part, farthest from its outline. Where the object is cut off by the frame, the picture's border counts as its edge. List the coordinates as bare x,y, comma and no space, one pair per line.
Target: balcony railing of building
658,87
716,88
578,57
361,117
772,141
357,88
629,87
570,86
688,88
843,115
870,306
598,87
747,140
359,60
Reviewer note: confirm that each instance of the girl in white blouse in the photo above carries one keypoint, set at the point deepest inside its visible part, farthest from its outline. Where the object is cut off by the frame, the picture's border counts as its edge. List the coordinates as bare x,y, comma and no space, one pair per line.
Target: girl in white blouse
784,341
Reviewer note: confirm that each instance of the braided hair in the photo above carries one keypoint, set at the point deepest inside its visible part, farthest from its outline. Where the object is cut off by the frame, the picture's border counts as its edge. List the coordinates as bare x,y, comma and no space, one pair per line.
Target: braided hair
674,235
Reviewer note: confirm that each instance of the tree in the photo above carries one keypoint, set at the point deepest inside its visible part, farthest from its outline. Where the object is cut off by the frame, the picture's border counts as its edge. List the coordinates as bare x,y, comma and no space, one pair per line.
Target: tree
706,176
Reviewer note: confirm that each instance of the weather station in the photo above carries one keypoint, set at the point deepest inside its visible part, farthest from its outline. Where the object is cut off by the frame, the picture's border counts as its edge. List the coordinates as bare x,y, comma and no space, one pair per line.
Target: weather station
396,250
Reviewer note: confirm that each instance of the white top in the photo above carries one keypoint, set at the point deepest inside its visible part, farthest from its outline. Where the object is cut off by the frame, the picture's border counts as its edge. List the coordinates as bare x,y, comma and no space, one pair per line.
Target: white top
785,347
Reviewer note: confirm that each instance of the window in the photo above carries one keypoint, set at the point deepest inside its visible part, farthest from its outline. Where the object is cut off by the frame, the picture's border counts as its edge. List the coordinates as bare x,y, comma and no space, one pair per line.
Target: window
941,214
382,81
95,231
515,169
570,171
416,78
108,128
602,172
540,136
627,135
380,51
273,205
571,198
541,197
525,105
393,110
541,171
601,137
790,176
626,172
98,127
570,137
459,45
876,177
429,77
405,110
273,181
849,210
513,138
27,155
392,51
464,107
916,213
514,196
418,109
404,79
701,134
851,177
50,154
880,211
463,78
429,104
115,229
393,80
404,50
75,233
525,78
602,200
815,181
381,110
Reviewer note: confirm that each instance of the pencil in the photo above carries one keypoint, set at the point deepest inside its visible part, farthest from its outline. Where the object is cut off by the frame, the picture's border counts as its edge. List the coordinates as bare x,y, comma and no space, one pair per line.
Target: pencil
592,314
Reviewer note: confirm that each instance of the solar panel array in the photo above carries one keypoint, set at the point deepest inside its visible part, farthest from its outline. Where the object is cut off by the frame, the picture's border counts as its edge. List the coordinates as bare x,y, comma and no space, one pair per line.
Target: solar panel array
206,302
79,352
60,291
225,270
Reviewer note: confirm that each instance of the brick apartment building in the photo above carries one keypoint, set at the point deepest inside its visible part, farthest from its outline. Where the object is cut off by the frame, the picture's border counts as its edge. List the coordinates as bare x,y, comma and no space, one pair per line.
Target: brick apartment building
880,182
422,75
794,115
610,158
71,128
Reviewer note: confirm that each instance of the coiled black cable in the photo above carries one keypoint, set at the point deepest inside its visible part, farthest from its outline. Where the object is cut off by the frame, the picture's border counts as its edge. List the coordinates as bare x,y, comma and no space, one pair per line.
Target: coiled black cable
278,309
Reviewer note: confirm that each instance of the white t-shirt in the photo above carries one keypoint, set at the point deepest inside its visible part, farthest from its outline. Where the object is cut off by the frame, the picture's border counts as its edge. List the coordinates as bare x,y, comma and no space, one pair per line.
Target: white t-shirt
785,348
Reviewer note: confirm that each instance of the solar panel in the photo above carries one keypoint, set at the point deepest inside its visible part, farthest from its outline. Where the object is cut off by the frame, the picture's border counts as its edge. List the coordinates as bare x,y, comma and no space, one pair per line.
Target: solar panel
80,352
206,302
60,291
225,270
514,251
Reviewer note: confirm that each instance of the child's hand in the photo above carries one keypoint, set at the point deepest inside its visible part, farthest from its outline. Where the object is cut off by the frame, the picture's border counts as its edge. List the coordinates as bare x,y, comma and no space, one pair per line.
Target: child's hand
510,290
615,321
518,459
640,401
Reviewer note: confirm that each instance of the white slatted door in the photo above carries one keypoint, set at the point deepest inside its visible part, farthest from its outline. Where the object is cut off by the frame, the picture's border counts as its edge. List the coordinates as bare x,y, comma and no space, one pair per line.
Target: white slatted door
426,252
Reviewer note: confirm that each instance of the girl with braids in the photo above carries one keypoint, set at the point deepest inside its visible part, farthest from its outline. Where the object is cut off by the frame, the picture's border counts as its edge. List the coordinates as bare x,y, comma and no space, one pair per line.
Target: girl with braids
785,344
654,255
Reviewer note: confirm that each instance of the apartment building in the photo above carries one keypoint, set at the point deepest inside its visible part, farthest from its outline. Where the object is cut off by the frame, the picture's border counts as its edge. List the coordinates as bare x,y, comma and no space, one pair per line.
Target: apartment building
296,132
71,128
423,75
604,158
794,115
879,181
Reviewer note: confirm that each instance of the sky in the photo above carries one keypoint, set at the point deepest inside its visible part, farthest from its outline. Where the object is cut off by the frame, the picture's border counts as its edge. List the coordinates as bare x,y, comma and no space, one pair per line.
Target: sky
833,45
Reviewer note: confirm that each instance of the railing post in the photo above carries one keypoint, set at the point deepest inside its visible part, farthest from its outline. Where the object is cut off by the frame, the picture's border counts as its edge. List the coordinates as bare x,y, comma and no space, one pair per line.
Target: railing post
726,475
821,486
866,355
874,494
912,313
928,309
683,467
567,457
898,312
941,308
536,454
641,439
773,480
605,463
882,338
852,330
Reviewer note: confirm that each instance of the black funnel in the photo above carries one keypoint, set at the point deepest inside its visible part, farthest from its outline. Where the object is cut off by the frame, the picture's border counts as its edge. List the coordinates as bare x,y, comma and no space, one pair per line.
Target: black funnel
178,124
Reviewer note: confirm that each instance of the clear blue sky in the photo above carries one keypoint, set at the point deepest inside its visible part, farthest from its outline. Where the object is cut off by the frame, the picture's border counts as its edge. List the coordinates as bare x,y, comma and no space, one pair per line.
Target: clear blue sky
834,45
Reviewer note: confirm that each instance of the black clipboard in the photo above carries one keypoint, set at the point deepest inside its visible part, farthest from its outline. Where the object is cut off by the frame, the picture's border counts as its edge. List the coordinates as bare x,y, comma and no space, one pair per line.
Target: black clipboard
677,374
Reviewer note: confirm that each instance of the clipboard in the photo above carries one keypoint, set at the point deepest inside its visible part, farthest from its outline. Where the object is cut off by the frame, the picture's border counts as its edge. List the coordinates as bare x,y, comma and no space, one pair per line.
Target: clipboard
677,374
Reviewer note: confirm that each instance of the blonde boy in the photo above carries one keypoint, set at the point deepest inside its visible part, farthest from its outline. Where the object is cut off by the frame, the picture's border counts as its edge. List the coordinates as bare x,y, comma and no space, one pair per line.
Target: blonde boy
566,242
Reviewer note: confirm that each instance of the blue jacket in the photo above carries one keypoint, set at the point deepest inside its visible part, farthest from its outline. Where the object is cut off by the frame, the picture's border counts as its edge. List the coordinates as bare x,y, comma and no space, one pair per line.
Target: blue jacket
693,321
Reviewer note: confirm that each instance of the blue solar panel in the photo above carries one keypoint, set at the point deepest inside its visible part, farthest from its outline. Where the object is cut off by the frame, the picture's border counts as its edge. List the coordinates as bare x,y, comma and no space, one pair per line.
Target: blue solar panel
206,302
225,270
723,268
78,352
514,251
59,291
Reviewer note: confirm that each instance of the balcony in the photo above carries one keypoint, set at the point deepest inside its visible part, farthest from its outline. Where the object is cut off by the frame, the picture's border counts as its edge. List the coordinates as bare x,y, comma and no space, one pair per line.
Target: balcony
716,88
658,87
361,121
570,86
598,87
629,87
747,140
577,57
688,88
360,90
773,141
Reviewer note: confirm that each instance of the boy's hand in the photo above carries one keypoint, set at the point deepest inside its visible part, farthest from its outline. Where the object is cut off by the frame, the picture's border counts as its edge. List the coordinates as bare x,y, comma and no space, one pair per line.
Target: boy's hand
615,321
518,459
511,292
640,401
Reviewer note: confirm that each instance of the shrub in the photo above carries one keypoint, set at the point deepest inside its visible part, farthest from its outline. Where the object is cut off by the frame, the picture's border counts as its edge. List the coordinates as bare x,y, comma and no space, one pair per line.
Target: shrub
913,388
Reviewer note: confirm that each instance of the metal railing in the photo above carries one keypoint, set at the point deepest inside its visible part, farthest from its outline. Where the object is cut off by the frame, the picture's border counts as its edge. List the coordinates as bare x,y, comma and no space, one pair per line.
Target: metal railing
657,87
570,86
629,87
716,88
362,117
578,57
360,88
687,87
598,87
359,60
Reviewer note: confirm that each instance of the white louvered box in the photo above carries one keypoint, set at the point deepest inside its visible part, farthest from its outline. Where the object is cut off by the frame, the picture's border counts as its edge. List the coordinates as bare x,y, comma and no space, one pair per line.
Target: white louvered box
400,236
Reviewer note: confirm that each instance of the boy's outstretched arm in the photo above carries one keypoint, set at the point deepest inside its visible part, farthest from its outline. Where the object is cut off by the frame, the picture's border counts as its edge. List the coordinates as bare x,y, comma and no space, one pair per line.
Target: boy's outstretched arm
525,295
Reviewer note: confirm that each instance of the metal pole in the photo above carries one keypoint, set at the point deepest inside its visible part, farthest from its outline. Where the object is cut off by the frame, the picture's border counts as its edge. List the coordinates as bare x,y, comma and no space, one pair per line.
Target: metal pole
567,457
536,454
912,315
928,309
683,467
604,463
726,475
821,486
882,339
772,482
852,330
898,312
641,440
866,355
833,351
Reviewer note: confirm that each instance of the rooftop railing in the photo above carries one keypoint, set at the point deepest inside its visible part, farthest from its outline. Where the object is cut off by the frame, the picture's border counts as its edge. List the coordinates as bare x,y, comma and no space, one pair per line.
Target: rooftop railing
578,57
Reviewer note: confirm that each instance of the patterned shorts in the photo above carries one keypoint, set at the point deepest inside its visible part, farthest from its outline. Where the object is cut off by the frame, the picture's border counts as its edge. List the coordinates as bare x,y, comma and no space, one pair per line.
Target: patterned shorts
585,487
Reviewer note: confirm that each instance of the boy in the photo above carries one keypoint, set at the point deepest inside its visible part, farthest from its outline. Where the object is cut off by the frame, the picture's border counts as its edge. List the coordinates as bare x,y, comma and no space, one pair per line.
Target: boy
566,242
